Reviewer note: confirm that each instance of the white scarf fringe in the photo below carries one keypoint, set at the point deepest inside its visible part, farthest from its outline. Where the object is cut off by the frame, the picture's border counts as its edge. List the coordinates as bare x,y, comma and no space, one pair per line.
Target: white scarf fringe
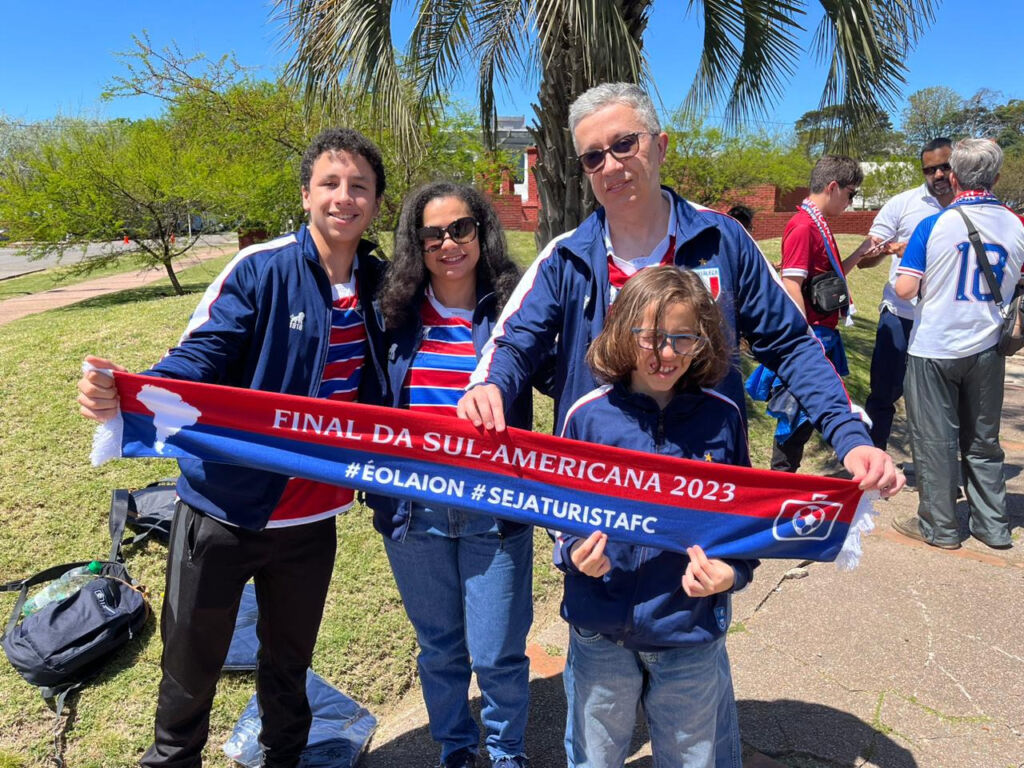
863,523
106,440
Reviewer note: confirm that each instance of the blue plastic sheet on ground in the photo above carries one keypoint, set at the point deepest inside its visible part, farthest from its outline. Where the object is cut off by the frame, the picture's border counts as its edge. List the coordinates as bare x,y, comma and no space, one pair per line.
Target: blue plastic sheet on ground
244,643
340,732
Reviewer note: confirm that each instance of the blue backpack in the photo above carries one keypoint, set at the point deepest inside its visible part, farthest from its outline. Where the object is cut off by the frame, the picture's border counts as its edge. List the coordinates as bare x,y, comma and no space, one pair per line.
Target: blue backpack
67,642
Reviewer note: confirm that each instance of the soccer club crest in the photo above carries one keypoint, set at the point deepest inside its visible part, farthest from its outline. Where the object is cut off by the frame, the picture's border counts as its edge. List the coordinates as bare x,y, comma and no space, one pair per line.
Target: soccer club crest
806,520
711,279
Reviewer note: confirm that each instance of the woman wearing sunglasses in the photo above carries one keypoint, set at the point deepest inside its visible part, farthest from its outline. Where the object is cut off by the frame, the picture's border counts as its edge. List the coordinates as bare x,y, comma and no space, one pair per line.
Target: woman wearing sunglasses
465,579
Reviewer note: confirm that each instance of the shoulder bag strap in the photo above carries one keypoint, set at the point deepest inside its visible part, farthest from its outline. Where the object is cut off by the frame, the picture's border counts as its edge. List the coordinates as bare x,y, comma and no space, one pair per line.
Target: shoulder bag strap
982,257
118,518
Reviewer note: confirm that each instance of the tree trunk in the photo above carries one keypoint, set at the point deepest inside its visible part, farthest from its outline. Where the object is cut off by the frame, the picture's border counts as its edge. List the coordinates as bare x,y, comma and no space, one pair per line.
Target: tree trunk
178,290
565,194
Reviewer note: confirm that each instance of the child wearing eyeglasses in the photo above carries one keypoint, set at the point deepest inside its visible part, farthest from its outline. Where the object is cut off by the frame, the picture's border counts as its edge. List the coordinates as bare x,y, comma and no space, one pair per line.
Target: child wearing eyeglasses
648,626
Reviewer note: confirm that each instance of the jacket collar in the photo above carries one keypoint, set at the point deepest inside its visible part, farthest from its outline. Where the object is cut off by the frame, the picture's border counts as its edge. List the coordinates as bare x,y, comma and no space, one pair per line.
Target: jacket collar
684,402
586,242
364,249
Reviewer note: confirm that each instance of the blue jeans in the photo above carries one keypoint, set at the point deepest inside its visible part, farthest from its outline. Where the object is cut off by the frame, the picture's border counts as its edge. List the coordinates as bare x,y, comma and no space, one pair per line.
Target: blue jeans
469,597
888,367
686,693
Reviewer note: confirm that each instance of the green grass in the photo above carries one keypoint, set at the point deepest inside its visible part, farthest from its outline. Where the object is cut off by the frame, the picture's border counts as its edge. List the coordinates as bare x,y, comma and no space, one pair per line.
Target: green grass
53,509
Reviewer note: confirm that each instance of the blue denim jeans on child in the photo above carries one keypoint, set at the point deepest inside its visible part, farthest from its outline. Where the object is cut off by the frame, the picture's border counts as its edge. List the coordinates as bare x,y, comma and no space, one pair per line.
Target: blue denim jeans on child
686,693
468,593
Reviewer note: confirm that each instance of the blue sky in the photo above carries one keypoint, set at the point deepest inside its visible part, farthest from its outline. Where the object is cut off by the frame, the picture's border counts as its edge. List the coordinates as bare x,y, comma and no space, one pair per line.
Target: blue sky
56,58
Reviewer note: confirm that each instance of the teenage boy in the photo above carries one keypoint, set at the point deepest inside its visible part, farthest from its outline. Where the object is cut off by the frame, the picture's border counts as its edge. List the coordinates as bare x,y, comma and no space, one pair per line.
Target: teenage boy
808,251
294,316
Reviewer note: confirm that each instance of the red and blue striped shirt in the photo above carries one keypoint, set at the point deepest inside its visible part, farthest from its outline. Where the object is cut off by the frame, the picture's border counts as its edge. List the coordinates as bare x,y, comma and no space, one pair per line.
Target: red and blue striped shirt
306,501
440,371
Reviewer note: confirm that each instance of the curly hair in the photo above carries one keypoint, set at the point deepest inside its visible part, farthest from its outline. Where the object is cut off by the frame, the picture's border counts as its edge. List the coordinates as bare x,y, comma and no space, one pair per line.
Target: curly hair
343,140
612,355
407,274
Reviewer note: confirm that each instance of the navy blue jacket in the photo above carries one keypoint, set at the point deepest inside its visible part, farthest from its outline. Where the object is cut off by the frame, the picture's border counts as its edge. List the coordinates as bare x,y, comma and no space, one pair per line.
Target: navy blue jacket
562,300
264,323
640,603
391,515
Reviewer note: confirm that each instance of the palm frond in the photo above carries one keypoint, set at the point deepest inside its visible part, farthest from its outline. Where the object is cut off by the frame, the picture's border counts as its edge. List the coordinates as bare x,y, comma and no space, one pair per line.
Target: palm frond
441,39
343,52
500,52
599,35
865,43
750,48
768,57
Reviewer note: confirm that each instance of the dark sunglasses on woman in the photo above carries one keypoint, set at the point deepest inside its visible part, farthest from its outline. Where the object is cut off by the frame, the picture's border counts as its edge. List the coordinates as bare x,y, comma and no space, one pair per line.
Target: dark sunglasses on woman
461,231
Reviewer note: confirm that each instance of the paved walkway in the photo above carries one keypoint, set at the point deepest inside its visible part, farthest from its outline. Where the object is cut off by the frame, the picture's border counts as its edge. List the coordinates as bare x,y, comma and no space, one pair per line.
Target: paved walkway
62,296
914,660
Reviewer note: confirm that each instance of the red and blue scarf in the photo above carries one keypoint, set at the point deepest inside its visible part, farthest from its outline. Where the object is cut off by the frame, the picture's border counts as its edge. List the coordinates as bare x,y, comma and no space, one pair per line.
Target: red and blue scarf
562,484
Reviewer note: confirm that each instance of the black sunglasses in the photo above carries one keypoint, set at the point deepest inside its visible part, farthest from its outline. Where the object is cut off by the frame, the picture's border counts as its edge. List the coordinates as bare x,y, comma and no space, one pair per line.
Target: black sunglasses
621,149
931,170
461,231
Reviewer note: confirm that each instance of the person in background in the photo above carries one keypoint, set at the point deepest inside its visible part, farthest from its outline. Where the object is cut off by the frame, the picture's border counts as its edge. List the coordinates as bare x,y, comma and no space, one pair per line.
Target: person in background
809,250
888,236
294,316
648,626
465,579
954,386
744,215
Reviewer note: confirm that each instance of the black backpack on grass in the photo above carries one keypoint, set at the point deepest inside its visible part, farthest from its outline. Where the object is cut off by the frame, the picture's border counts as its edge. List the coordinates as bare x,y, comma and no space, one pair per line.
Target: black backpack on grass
67,642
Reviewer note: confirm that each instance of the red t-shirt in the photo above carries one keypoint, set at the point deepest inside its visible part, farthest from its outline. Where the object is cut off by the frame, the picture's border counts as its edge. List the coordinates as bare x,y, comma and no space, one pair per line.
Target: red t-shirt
804,256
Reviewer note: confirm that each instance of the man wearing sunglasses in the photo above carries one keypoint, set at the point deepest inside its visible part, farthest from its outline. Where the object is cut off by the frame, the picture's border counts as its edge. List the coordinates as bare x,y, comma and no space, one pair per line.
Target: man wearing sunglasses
889,233
560,305
810,255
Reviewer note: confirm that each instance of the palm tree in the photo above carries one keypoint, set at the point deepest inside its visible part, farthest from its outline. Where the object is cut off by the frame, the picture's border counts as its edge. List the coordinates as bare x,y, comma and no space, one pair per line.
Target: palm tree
750,48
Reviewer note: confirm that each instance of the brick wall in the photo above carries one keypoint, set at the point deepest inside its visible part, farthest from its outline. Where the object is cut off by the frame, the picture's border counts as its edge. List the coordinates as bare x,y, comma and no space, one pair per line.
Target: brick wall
850,223
761,198
513,214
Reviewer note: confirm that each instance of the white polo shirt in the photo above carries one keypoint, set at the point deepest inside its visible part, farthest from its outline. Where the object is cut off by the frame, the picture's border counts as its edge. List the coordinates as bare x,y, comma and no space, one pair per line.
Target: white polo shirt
899,218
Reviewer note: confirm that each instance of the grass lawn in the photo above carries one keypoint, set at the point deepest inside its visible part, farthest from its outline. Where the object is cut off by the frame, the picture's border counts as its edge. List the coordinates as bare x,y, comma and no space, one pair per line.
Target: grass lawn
53,509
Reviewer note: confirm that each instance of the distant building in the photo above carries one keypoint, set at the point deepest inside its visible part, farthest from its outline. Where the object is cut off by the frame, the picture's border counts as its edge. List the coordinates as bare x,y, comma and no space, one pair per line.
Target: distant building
511,135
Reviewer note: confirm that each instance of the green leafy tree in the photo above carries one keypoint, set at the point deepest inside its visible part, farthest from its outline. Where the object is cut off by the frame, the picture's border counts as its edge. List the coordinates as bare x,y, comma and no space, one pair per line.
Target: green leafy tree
750,49
250,133
1011,130
819,132
983,115
930,113
703,162
1010,187
132,187
882,180
257,130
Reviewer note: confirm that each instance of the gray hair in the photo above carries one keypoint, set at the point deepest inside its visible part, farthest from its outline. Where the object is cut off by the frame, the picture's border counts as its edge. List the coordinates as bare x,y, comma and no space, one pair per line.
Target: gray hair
976,163
606,94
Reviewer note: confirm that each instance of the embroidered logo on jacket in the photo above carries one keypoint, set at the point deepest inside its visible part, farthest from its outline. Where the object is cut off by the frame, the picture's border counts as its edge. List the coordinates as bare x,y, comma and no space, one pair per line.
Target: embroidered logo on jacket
295,321
711,279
